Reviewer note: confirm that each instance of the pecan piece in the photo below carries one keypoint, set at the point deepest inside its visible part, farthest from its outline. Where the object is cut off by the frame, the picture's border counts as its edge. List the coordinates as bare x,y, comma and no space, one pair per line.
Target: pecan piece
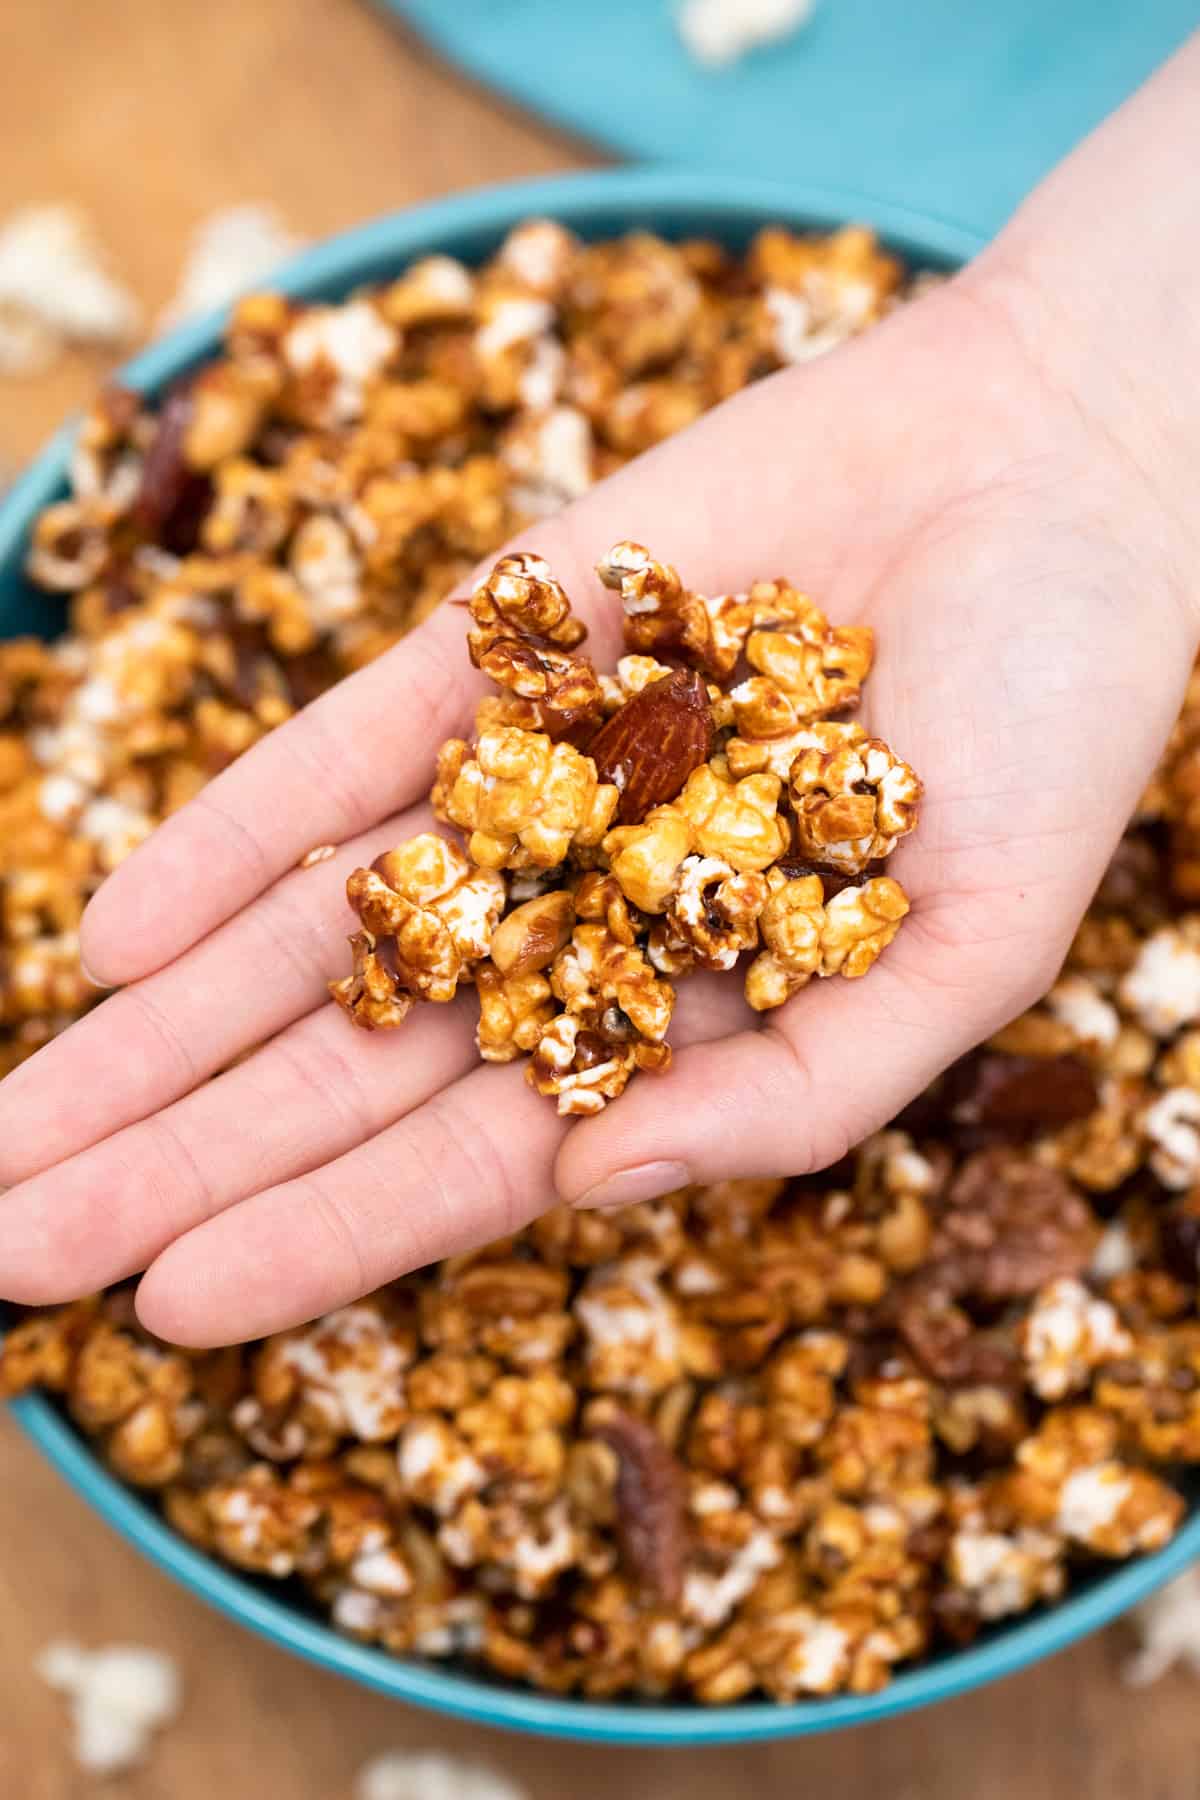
1022,1092
650,746
1007,1227
651,1521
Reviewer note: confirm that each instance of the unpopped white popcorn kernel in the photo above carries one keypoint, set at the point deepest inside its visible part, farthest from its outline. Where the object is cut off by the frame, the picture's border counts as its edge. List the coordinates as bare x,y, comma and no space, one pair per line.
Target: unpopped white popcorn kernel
432,1775
119,1697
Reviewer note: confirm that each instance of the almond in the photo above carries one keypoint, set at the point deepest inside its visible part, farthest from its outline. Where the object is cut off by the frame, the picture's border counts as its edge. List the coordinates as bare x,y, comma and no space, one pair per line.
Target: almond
533,934
650,746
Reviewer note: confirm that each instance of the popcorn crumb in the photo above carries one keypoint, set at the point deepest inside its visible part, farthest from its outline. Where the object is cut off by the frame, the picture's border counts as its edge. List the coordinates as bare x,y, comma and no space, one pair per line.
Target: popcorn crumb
432,1775
1168,1630
719,32
229,252
318,854
119,1697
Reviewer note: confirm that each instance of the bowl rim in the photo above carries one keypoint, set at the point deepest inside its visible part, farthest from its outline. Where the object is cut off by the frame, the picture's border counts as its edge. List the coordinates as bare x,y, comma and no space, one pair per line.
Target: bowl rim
467,224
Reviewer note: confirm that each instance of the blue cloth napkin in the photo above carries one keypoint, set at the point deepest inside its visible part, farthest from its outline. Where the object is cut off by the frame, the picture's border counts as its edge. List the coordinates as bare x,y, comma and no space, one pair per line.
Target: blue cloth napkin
953,107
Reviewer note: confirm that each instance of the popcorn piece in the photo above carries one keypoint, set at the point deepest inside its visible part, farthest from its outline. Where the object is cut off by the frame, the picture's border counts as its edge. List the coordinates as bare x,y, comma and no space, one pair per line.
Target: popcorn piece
119,1696
662,615
1168,1629
715,911
852,806
229,251
860,922
1066,1335
54,287
432,1775
523,636
1162,988
1172,1126
999,1573
791,923
428,917
525,800
719,32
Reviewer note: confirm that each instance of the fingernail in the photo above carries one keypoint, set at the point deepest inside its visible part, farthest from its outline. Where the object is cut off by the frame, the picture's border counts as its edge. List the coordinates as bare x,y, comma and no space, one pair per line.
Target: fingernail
95,981
646,1182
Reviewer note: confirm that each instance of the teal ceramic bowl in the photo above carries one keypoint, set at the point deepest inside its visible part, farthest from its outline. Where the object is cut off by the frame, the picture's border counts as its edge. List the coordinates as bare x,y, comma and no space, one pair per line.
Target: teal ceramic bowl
469,226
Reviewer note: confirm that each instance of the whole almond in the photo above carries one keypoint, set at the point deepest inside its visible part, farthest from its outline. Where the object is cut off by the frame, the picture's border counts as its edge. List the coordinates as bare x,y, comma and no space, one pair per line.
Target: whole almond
651,745
533,934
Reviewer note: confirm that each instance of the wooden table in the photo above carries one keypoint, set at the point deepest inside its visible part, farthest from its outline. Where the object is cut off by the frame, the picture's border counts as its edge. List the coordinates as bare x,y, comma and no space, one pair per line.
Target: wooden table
150,114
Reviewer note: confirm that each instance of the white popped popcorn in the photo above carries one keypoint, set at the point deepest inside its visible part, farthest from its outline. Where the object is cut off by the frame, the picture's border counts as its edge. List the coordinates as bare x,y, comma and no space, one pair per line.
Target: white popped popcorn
631,1327
551,456
1172,1125
1163,987
229,252
718,32
1004,1574
815,1658
1168,1629
352,1364
1115,1254
1091,1499
119,1697
1094,1020
709,1599
1067,1334
432,1775
352,341
55,290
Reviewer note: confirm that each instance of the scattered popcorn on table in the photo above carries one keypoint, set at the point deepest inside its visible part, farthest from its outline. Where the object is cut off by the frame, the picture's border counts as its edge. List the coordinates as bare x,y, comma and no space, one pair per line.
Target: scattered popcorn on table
762,1437
1168,1631
717,32
119,1698
229,251
432,1775
55,290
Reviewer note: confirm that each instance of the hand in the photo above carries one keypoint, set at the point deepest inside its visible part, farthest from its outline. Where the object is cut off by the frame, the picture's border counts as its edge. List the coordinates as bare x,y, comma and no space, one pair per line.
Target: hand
937,479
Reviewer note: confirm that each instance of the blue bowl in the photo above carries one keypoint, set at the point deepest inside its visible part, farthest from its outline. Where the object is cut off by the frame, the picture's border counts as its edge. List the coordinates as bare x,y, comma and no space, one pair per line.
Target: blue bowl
469,226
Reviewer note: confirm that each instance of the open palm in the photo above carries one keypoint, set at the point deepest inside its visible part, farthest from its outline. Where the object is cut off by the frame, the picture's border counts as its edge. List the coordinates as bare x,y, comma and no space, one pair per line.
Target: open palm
926,479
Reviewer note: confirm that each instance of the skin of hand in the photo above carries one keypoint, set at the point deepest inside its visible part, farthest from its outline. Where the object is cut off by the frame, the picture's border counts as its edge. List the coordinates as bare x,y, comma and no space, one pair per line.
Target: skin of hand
995,479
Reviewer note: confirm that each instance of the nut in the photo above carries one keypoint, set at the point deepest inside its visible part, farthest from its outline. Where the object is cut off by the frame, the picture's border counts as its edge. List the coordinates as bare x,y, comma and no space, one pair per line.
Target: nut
531,936
650,746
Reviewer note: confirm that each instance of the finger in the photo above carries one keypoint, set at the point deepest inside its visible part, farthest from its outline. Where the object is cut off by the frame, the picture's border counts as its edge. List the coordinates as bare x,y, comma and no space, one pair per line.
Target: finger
471,1165
836,1063
314,1093
712,500
362,750
151,1043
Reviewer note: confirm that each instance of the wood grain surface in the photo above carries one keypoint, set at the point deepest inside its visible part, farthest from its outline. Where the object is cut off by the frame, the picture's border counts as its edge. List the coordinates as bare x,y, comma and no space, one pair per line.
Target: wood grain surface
150,114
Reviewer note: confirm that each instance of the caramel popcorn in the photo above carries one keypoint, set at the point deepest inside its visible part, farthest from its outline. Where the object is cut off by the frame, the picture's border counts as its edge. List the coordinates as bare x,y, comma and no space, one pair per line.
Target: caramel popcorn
691,877
764,1437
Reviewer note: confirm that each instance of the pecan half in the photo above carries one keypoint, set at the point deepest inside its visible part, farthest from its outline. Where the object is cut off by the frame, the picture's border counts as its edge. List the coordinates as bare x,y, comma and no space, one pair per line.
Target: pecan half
650,746
651,1522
